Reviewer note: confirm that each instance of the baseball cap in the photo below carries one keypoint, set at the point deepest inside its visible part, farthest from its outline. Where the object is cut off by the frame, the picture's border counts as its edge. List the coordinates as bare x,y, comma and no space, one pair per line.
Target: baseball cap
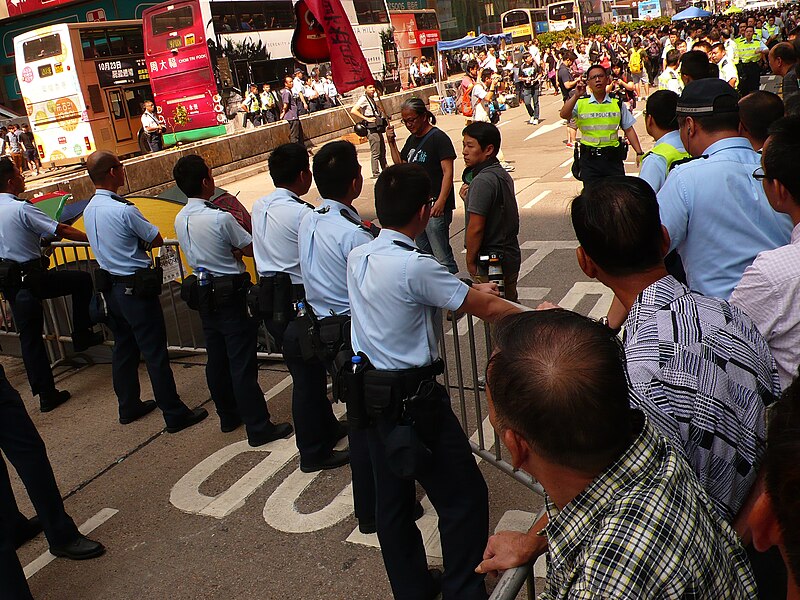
705,97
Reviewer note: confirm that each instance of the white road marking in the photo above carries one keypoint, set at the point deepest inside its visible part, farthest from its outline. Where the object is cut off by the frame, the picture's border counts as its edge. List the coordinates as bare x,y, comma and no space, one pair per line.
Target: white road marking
537,199
546,129
586,288
278,388
45,559
567,162
568,175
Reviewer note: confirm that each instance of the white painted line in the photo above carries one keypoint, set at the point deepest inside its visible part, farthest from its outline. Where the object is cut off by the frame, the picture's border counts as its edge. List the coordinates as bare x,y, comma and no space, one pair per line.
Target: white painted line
567,162
90,525
546,129
637,114
278,388
568,175
533,202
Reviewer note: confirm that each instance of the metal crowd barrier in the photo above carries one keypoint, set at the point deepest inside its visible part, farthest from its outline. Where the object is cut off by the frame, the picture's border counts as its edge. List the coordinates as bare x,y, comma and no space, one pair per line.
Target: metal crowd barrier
465,361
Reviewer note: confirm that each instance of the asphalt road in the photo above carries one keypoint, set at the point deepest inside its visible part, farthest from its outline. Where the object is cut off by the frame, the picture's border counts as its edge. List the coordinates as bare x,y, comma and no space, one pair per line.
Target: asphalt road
199,514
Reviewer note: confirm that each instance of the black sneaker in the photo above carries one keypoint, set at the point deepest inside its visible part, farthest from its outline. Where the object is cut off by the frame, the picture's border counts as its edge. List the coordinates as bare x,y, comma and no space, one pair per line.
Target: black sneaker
50,400
197,415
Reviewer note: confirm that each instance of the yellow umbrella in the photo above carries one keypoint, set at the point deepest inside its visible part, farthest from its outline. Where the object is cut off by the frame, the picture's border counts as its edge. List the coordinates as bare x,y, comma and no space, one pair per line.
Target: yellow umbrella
732,9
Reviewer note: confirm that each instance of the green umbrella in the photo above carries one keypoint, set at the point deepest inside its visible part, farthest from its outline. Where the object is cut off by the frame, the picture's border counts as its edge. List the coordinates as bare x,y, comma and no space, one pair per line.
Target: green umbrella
52,204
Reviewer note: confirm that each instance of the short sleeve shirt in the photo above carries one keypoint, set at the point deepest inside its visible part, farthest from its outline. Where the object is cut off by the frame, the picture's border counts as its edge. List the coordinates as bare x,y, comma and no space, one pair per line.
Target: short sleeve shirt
289,100
367,106
564,75
430,153
22,227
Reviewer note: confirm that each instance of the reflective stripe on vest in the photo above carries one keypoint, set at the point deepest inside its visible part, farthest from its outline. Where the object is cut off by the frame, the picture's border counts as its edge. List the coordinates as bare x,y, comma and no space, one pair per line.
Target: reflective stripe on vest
749,51
598,122
770,30
668,152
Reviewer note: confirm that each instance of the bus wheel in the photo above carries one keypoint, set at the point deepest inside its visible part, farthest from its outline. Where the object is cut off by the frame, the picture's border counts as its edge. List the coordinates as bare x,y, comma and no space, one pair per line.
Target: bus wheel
144,145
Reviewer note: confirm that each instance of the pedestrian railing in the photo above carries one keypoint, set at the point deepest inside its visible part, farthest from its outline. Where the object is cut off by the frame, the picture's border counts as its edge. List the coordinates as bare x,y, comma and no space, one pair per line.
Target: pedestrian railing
465,349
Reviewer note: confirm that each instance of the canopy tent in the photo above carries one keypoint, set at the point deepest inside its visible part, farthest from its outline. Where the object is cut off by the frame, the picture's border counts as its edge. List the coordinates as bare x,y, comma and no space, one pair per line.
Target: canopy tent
732,9
473,41
691,13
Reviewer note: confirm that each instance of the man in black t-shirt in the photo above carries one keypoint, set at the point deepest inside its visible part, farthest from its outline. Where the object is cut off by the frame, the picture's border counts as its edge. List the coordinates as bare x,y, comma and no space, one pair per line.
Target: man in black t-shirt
432,148
567,83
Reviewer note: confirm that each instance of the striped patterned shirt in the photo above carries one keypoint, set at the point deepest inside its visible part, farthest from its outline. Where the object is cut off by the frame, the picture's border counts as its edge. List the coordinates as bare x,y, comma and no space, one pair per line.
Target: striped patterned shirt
705,376
644,528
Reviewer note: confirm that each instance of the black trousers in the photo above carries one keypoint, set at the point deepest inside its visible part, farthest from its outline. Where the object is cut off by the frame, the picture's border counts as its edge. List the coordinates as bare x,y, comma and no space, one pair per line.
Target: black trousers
15,587
29,319
749,77
232,367
314,422
24,448
593,168
296,132
156,141
138,327
459,494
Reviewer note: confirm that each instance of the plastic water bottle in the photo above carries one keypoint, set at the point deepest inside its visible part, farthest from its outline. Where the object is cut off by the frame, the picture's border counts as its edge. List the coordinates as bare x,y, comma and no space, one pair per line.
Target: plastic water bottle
202,276
355,361
301,309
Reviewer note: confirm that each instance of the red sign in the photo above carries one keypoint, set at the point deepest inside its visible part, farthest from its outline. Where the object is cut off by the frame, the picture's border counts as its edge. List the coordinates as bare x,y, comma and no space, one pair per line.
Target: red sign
348,65
96,16
21,7
190,59
408,37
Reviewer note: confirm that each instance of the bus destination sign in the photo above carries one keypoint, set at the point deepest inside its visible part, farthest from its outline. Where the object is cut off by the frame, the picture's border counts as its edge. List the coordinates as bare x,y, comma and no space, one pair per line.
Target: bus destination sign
121,72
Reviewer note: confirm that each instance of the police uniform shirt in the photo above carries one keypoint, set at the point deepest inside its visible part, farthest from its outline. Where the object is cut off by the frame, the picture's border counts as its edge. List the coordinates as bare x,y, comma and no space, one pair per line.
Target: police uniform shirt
626,118
276,220
114,228
395,296
207,237
727,70
654,166
22,226
325,239
718,216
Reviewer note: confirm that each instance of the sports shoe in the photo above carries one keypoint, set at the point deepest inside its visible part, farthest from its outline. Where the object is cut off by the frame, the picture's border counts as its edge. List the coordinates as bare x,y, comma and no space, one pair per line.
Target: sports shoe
570,145
536,121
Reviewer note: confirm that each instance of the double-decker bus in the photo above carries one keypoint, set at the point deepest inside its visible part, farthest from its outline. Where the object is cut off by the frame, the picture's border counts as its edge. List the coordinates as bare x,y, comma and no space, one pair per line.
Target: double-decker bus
578,15
524,23
83,85
178,58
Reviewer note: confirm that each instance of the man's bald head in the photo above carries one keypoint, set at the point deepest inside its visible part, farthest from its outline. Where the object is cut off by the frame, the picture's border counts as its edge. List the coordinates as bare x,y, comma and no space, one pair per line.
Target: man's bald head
99,165
558,380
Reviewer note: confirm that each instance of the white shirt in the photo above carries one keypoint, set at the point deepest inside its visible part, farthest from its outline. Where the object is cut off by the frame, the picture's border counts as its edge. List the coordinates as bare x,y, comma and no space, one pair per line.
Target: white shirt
727,71
769,293
150,121
479,111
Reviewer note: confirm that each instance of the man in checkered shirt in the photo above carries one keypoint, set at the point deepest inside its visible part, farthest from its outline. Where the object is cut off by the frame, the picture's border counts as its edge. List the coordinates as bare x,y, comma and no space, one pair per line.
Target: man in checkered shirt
625,514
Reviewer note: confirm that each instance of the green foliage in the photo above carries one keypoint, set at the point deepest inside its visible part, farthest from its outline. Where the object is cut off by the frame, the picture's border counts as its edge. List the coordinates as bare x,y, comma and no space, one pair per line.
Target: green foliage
551,38
247,49
608,29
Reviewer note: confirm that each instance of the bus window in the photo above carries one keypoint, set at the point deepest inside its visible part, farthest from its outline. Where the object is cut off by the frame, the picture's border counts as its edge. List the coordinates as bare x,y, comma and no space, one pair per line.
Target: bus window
135,97
126,41
427,22
515,18
115,102
43,47
172,20
370,12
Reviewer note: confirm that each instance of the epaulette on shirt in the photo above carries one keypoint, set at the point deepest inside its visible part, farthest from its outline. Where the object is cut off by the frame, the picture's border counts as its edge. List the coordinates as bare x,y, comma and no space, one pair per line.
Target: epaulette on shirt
370,228
300,201
412,248
688,159
210,204
121,200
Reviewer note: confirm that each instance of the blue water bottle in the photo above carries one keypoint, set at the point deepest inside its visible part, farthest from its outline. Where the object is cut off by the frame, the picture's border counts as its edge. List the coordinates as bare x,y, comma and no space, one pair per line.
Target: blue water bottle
202,276
355,362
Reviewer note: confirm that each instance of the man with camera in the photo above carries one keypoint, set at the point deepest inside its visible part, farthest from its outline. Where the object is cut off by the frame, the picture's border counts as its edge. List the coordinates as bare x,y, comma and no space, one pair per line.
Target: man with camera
600,152
120,238
368,111
153,128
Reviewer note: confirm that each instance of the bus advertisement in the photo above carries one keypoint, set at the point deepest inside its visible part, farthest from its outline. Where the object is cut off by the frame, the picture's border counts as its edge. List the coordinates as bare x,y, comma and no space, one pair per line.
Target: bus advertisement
524,23
83,86
184,86
415,32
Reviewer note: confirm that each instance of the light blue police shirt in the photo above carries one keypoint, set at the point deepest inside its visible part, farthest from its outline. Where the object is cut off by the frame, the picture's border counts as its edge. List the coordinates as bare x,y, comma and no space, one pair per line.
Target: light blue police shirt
654,166
325,239
718,216
395,297
114,229
276,220
22,226
208,235
626,118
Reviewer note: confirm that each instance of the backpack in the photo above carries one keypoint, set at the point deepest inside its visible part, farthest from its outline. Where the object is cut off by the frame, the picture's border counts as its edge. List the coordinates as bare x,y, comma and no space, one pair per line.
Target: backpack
635,63
466,104
494,112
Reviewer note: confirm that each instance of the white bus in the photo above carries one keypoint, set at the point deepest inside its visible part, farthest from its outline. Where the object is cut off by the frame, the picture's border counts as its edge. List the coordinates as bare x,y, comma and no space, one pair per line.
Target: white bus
563,15
83,85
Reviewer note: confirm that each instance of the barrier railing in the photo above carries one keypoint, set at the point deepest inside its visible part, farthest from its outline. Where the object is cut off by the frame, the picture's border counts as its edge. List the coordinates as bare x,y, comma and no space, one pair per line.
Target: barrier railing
464,355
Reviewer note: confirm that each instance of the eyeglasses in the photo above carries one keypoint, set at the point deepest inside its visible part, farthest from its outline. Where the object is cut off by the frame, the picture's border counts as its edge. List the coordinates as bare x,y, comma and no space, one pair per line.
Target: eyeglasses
596,76
759,174
411,121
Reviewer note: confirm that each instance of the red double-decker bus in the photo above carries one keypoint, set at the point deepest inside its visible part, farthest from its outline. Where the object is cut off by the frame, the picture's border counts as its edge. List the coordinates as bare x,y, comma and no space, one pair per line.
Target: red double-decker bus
181,74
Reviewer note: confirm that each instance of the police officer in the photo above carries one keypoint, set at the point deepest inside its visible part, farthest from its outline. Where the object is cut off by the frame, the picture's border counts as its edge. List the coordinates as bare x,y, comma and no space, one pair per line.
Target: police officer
276,222
25,281
396,293
751,53
326,237
600,116
120,237
213,241
24,448
661,123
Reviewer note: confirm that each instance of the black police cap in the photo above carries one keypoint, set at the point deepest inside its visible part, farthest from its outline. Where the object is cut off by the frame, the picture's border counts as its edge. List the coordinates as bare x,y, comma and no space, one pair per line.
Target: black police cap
705,97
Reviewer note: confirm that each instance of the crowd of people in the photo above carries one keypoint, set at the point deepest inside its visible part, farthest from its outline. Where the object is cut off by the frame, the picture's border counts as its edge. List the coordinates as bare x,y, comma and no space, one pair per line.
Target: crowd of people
17,142
664,434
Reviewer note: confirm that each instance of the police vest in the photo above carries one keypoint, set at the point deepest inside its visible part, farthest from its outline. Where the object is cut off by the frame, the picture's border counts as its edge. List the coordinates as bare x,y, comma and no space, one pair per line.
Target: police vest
749,51
666,76
770,30
599,122
669,153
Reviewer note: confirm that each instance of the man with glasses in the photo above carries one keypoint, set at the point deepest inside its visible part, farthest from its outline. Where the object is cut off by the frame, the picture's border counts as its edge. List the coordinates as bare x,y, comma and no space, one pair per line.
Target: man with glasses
120,238
716,213
600,151
770,288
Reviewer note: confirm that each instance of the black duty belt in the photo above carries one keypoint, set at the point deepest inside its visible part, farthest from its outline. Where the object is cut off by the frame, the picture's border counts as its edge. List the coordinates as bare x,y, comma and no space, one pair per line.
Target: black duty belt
123,279
408,379
603,152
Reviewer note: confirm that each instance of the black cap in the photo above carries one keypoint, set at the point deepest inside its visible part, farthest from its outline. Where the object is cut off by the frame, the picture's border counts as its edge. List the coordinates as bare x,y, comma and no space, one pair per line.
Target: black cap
705,97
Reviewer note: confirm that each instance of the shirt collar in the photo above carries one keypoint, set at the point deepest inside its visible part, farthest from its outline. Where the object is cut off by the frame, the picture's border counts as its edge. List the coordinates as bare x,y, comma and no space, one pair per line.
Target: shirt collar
592,99
568,528
283,193
337,207
196,200
652,299
388,236
727,143
108,193
673,138
7,196
796,234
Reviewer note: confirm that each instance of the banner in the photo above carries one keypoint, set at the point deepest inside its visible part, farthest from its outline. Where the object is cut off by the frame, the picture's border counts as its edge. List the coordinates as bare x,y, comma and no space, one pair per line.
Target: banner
348,64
